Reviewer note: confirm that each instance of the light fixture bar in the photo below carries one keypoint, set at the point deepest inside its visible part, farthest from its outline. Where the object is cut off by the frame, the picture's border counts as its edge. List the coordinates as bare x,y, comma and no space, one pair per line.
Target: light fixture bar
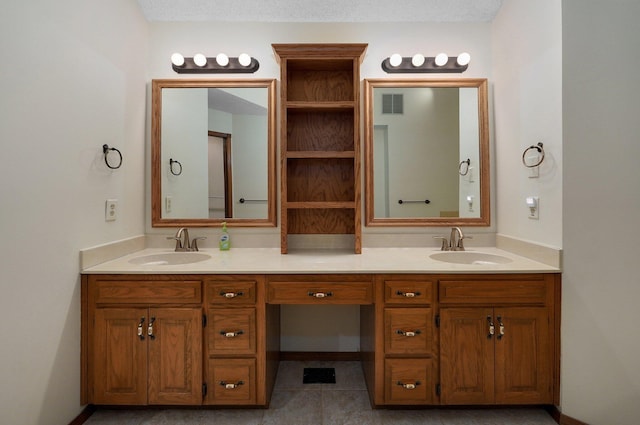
212,67
429,66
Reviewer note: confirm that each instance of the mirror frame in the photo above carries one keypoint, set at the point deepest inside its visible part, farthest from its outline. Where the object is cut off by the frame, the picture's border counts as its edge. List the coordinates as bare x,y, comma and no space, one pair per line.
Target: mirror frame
156,160
483,140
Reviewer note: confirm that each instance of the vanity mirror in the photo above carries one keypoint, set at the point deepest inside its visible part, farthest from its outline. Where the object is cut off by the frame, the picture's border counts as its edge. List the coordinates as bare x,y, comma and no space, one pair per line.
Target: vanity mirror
426,152
213,150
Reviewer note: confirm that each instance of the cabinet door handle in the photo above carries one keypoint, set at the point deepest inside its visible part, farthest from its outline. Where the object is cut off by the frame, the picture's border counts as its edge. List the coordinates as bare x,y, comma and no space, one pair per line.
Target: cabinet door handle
501,328
408,294
231,334
409,385
150,328
408,333
320,294
492,327
140,331
231,294
231,385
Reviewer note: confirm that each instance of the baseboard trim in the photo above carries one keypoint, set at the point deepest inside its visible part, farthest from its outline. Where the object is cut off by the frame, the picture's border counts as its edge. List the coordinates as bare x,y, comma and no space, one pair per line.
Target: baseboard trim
324,356
563,419
84,415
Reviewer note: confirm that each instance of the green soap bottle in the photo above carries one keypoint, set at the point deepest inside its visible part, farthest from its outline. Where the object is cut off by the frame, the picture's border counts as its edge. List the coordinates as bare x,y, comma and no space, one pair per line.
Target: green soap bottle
225,239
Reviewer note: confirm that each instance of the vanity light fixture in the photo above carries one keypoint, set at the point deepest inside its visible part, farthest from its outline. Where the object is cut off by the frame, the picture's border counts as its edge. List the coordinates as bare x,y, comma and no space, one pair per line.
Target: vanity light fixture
220,64
441,63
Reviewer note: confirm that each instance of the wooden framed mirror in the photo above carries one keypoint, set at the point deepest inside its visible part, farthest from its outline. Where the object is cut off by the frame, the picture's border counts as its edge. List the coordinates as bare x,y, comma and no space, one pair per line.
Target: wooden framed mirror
426,152
213,153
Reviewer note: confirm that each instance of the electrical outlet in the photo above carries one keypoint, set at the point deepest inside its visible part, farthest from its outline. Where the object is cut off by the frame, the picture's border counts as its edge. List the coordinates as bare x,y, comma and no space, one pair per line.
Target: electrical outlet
167,204
533,203
111,210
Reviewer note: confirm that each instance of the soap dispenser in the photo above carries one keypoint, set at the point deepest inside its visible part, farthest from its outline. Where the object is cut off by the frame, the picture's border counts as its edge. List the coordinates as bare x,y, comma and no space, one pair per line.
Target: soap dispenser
225,239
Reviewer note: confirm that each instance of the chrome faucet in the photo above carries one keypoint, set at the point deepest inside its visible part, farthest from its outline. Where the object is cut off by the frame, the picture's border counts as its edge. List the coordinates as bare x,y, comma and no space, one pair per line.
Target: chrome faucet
455,240
182,241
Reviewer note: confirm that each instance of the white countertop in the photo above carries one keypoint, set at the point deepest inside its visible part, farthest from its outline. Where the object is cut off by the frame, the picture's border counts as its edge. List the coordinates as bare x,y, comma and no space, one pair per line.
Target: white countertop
271,261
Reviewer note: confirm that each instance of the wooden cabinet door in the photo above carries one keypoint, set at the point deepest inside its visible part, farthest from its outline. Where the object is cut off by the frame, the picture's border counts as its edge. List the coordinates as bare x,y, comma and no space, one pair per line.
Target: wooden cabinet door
523,357
120,356
175,356
466,356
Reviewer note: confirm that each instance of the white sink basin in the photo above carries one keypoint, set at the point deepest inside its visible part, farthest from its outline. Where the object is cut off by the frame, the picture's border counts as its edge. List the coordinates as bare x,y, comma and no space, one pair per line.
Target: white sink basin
170,258
470,257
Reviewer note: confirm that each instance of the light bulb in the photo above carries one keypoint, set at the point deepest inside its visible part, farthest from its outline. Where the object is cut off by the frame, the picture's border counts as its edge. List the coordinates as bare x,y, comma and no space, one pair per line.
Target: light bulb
222,59
244,59
464,59
200,59
442,59
395,60
417,60
177,59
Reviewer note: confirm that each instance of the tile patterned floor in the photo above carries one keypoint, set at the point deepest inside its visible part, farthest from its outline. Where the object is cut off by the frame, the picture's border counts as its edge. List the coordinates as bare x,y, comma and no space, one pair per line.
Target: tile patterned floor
344,403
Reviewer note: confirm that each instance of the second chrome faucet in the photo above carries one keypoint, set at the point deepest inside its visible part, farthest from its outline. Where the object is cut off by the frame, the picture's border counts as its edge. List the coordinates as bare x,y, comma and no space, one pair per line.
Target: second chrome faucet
455,242
183,243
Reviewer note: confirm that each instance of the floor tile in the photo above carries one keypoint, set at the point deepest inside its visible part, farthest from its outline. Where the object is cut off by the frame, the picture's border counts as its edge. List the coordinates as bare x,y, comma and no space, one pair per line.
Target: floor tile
294,408
410,417
348,407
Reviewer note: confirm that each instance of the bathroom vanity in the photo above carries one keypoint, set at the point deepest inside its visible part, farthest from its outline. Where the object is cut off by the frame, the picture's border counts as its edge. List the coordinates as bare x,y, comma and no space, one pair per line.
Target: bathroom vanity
432,333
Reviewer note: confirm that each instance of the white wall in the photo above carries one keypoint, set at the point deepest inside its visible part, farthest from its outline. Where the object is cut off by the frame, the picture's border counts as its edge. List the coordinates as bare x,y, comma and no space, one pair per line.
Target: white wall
185,120
72,79
527,81
601,284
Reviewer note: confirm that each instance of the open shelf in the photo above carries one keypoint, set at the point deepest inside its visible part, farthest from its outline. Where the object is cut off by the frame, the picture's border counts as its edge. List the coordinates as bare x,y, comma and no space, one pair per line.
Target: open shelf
320,86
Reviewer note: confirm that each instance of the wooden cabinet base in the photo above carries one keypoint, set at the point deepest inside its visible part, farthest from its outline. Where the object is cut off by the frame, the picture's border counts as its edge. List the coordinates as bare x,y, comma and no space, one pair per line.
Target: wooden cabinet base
425,340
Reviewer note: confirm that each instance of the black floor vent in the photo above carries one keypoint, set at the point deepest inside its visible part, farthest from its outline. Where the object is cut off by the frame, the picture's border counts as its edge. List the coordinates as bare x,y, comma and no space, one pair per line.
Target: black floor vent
319,375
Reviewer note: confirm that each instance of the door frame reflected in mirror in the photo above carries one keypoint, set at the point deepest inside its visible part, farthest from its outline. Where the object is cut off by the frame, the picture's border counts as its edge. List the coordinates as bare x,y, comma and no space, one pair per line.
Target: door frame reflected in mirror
484,218
156,153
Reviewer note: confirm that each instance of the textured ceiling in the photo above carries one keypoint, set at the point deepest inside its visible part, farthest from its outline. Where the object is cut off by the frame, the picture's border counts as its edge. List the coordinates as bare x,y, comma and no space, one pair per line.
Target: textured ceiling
321,11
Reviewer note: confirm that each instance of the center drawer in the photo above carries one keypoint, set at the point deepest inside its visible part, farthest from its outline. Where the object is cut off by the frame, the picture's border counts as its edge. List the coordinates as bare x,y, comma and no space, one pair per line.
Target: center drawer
308,291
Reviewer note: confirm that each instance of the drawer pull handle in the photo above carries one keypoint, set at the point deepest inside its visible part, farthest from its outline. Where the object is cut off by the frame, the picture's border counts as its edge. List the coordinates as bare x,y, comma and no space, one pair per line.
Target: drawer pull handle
408,294
492,327
230,385
408,333
231,334
409,385
320,294
231,294
140,331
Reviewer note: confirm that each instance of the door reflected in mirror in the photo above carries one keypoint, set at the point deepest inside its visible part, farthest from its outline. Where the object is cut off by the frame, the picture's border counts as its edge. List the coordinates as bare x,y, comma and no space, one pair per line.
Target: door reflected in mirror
426,152
213,152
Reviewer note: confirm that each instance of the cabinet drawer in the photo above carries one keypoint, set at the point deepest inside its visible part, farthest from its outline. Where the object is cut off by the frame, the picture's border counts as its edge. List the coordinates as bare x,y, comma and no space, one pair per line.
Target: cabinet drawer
408,292
495,292
147,292
408,330
320,293
231,331
231,293
408,381
231,382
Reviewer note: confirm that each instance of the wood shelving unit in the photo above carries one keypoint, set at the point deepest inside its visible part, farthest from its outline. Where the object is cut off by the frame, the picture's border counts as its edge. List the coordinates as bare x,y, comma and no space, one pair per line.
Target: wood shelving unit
320,142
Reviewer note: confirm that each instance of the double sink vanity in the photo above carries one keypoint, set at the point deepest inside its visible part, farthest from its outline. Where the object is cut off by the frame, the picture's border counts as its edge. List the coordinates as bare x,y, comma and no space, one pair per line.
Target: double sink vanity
437,327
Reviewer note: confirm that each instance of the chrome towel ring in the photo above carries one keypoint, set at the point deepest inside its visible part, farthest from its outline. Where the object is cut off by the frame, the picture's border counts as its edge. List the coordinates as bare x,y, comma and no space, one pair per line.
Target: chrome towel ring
105,151
539,147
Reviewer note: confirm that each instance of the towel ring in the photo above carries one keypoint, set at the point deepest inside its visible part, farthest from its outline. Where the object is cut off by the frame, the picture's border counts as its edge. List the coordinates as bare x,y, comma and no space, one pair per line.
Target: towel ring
105,150
171,162
466,169
539,147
